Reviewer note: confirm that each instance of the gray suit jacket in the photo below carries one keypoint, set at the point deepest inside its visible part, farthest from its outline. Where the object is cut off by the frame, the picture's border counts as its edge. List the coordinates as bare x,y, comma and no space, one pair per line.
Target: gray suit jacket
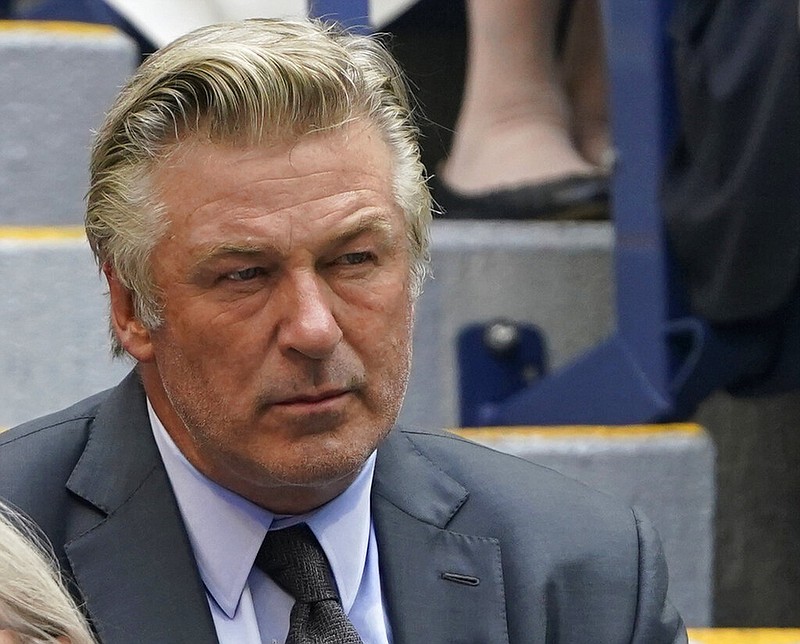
532,557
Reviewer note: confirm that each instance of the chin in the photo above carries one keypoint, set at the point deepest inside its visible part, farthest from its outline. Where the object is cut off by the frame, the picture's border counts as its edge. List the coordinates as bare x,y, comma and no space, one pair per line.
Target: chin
323,467
307,465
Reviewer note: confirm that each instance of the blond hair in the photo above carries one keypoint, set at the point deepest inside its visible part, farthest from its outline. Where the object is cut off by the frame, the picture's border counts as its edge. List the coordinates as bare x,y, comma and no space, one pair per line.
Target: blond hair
245,83
34,602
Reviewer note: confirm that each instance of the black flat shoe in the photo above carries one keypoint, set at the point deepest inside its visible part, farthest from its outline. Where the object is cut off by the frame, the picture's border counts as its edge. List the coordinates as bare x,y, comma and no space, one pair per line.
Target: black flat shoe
583,197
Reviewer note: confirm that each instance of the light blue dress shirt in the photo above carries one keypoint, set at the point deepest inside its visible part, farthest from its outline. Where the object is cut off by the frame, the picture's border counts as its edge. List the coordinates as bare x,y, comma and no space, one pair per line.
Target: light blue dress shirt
226,531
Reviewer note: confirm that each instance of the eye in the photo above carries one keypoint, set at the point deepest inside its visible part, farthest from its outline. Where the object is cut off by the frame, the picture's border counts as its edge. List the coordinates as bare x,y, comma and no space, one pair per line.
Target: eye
352,259
245,275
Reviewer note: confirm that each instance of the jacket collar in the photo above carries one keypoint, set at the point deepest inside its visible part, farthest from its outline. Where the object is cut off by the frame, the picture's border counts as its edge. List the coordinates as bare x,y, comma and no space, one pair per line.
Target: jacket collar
135,565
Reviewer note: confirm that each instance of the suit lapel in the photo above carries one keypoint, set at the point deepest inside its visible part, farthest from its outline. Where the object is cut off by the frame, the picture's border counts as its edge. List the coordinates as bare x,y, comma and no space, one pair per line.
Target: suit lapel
135,564
440,586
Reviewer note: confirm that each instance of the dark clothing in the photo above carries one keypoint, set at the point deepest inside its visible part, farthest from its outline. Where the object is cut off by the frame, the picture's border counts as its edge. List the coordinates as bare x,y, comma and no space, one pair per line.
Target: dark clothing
732,191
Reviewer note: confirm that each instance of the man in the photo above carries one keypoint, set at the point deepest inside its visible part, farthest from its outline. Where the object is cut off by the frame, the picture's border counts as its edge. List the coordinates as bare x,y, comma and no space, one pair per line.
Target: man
259,211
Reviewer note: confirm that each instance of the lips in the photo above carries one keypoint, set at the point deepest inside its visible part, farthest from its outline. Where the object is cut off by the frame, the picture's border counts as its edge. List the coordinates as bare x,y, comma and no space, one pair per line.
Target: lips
314,397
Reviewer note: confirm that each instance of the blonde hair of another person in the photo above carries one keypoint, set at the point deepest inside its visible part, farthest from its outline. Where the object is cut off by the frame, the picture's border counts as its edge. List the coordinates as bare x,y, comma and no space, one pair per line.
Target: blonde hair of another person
255,82
35,606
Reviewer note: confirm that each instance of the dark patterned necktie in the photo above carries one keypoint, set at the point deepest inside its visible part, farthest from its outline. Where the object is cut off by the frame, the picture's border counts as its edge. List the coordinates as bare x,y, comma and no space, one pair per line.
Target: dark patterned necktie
295,561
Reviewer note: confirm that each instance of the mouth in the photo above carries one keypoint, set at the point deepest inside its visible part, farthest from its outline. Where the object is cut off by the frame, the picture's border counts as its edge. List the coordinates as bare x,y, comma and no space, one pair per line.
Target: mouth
314,401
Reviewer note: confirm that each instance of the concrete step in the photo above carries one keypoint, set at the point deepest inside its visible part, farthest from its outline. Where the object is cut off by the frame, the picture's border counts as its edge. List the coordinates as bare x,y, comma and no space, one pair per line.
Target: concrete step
54,346
56,82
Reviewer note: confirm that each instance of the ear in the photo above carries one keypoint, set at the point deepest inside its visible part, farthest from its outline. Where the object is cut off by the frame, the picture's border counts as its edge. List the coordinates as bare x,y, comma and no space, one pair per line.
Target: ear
130,332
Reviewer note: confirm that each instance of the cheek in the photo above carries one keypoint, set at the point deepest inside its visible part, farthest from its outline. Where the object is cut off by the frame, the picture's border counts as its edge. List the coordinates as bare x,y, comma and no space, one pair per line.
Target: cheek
388,342
386,320
215,333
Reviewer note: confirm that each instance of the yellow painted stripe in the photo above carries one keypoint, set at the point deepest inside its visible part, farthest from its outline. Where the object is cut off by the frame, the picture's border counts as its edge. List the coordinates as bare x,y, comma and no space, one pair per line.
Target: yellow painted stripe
579,431
58,27
744,636
41,233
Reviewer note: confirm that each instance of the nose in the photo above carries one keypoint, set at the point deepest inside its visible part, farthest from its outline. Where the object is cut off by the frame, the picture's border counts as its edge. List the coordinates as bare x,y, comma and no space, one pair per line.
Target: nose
308,325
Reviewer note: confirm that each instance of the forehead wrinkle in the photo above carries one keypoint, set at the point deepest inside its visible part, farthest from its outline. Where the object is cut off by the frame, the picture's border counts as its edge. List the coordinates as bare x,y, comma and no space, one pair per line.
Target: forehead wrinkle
245,193
353,200
242,196
324,191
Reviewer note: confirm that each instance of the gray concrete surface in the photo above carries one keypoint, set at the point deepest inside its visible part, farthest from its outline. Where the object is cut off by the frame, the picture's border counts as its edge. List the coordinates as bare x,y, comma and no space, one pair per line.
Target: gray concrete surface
55,86
53,337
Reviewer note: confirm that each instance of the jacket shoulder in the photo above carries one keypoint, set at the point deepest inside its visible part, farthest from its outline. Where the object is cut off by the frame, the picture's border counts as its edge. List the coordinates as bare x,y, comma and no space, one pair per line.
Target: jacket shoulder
483,470
79,413
46,448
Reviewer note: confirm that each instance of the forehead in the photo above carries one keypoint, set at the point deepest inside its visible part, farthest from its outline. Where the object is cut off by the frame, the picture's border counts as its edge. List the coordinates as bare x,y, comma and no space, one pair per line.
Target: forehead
317,179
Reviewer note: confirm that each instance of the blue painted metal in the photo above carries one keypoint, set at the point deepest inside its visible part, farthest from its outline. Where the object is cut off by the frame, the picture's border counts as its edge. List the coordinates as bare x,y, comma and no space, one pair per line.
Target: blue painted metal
488,377
643,125
606,386
354,14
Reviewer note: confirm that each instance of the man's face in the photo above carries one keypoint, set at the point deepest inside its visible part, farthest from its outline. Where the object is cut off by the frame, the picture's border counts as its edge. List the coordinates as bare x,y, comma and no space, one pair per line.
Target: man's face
285,349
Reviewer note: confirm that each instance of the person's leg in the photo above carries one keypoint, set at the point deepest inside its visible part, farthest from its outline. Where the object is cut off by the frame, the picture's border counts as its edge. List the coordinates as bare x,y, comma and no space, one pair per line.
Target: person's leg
585,80
513,125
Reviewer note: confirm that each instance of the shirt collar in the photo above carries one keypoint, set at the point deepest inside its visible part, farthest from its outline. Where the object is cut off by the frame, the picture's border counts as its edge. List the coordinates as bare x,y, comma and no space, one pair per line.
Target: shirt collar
226,547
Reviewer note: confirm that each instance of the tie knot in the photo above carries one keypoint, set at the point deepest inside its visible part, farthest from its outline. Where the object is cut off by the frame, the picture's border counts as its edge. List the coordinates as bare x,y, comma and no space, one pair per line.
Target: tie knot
296,562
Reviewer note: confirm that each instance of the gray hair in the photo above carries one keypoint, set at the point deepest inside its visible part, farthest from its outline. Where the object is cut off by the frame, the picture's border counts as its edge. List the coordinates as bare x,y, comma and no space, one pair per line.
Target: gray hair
34,603
251,82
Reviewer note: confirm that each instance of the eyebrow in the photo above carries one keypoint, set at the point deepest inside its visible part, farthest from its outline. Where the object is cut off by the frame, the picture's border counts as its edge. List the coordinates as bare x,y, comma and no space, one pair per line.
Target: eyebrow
211,252
367,223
